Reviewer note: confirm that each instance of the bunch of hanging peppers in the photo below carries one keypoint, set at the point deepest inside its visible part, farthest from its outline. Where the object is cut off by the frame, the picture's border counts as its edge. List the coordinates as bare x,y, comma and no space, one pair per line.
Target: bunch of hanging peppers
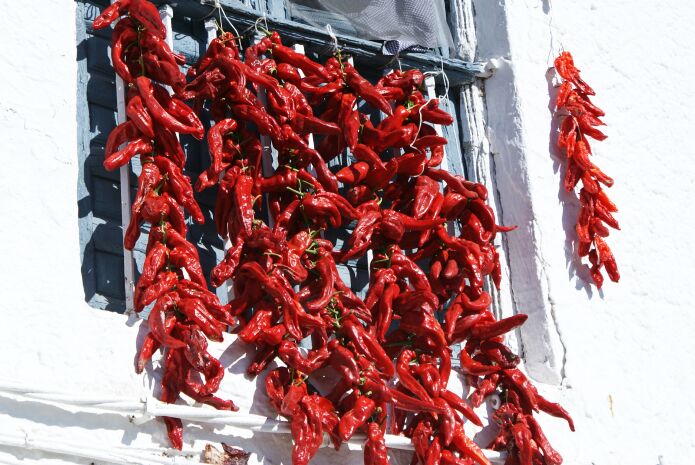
579,120
389,352
184,314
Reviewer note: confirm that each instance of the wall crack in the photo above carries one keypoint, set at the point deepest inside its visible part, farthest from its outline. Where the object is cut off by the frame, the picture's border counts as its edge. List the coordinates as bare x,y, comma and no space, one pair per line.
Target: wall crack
551,302
556,325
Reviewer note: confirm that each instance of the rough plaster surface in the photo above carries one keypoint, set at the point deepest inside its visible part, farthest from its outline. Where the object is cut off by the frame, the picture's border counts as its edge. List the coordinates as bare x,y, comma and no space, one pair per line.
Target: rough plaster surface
627,351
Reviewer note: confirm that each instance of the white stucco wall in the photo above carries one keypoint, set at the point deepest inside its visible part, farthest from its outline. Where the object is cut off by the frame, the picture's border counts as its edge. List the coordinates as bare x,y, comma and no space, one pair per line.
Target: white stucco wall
629,348
620,360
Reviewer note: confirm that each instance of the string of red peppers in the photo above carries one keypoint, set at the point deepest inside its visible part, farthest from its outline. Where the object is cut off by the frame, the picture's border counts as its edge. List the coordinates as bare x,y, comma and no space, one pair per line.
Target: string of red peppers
185,313
286,283
579,120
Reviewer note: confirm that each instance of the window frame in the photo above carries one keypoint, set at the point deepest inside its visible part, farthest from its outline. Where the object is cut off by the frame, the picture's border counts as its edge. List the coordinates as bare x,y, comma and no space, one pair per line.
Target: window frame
366,53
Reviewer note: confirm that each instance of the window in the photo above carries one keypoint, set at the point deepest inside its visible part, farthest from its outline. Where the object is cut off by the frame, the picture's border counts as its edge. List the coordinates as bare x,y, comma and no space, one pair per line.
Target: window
99,190
101,242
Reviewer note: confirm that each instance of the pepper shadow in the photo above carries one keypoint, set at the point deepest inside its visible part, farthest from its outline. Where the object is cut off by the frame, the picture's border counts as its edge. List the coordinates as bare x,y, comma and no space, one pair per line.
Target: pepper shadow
546,6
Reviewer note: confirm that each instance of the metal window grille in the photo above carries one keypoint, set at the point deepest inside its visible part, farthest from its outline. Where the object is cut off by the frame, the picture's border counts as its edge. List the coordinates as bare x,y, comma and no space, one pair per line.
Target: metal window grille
100,192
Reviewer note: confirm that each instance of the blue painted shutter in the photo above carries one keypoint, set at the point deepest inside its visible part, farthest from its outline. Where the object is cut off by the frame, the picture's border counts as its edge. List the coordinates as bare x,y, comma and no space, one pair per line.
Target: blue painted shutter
101,243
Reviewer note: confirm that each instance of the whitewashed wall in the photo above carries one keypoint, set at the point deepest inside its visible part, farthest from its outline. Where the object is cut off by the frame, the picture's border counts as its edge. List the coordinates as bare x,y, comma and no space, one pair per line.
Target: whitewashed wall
628,350
620,360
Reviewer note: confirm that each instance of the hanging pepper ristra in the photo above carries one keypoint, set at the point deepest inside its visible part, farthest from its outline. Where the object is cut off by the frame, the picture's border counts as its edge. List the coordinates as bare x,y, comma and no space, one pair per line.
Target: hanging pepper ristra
579,120
178,319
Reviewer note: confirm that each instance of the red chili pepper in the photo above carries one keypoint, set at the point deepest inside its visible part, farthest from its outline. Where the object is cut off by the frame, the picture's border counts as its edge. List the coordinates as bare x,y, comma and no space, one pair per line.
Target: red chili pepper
164,282
309,124
492,330
244,202
379,178
196,312
137,113
288,73
182,258
306,434
360,239
286,55
550,454
368,345
354,173
276,386
431,113
407,403
429,376
152,43
123,156
375,452
291,401
183,113
317,208
472,367
147,14
555,410
564,64
343,361
226,268
111,13
466,446
174,431
289,353
396,120
179,186
165,71
188,289
158,112
355,417
216,141
158,321
456,183
366,90
124,34
366,154
429,141
349,119
461,405
385,311
147,349
420,438
154,262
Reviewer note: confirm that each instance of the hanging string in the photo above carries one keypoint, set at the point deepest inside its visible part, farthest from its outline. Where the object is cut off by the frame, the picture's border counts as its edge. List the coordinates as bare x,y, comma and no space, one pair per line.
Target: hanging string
419,127
265,30
554,50
220,25
445,79
441,98
334,38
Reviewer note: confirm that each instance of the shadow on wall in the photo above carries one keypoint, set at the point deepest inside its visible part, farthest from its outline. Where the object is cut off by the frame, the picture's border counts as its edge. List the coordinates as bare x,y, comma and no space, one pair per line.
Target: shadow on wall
98,190
546,6
569,200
